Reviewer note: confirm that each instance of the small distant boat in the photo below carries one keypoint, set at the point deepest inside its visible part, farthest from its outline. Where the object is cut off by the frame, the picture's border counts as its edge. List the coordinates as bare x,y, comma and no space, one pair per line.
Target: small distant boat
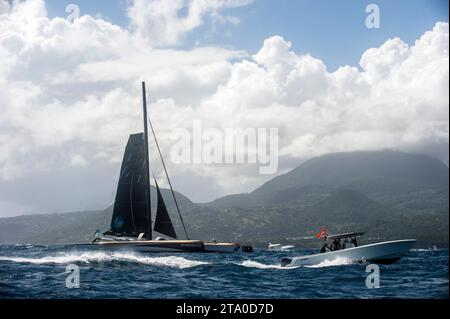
387,252
132,226
279,247
274,246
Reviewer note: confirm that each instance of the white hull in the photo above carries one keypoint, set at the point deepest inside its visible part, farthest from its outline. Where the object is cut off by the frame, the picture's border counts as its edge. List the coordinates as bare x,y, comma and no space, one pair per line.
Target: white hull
384,252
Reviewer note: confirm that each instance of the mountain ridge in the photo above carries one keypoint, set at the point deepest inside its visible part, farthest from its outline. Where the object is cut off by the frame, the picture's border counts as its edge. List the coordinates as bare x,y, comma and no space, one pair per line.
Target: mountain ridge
389,202
392,172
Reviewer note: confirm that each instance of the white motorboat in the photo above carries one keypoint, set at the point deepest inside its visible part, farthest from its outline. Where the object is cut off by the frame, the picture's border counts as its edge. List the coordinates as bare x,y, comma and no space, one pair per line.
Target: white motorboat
274,246
386,252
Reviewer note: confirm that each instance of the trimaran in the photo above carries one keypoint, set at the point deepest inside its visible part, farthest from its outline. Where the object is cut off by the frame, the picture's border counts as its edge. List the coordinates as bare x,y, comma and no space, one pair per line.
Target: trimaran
131,223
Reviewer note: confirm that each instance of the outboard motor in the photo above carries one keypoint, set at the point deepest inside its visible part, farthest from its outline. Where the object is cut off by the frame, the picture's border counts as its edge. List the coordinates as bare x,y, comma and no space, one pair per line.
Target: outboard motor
285,261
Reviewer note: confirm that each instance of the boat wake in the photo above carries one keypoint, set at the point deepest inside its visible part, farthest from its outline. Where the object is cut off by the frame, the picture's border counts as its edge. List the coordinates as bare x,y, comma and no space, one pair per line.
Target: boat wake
426,249
287,247
255,264
339,261
99,257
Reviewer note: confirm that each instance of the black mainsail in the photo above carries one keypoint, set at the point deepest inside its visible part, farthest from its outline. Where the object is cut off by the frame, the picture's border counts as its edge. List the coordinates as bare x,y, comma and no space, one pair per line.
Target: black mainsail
132,209
130,214
163,223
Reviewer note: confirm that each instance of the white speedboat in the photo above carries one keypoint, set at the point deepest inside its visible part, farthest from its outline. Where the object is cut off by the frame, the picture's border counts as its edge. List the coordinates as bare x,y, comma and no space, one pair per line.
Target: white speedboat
274,246
386,252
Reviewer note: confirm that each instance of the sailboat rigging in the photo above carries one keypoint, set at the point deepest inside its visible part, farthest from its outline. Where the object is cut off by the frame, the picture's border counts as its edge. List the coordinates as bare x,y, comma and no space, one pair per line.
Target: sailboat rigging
131,222
168,179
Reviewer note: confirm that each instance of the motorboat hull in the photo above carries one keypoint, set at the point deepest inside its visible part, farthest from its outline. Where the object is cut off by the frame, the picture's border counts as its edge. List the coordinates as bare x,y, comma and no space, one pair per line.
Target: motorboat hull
382,253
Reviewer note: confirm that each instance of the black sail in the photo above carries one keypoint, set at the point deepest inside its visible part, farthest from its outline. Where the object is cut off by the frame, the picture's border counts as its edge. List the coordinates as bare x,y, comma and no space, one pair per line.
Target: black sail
163,223
130,216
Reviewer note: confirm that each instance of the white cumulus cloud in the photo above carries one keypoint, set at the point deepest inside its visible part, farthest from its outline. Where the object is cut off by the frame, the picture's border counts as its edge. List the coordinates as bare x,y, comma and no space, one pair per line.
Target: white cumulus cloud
162,22
70,95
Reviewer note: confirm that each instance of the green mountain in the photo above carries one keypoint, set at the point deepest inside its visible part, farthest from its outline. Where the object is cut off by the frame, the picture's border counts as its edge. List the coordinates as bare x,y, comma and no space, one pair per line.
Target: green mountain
342,211
73,227
390,177
183,201
65,228
389,195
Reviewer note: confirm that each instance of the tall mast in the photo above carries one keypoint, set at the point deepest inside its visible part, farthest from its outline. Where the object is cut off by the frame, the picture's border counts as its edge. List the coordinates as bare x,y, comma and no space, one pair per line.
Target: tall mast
168,179
147,166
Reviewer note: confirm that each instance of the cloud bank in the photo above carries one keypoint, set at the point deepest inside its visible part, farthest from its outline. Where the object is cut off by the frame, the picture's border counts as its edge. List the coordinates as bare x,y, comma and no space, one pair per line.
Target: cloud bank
69,97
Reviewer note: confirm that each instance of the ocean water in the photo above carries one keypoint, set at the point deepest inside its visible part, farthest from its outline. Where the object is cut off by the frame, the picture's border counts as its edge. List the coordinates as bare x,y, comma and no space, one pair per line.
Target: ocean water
28,271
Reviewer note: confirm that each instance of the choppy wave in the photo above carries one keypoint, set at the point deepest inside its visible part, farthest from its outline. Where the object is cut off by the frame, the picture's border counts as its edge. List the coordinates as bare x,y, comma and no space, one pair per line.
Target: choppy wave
89,257
281,248
255,264
38,273
426,249
24,245
339,261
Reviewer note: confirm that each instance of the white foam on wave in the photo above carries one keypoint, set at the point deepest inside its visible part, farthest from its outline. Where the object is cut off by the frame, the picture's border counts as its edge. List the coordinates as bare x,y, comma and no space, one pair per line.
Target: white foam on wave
425,249
27,246
88,257
255,264
339,261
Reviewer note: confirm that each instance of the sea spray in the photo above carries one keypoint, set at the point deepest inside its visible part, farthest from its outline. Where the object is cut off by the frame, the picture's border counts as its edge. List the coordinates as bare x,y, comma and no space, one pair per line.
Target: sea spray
420,274
339,261
98,257
255,264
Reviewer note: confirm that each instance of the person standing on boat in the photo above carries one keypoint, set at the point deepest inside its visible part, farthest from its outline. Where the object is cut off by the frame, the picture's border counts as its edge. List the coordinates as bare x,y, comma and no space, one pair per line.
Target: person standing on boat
346,244
323,234
325,248
336,245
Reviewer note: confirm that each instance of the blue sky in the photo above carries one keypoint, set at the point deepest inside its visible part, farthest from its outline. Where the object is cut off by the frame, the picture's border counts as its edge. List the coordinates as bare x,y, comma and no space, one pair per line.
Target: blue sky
333,31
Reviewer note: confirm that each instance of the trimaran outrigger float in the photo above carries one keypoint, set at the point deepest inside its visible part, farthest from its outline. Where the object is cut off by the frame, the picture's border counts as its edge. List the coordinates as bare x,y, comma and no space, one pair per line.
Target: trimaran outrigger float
131,224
